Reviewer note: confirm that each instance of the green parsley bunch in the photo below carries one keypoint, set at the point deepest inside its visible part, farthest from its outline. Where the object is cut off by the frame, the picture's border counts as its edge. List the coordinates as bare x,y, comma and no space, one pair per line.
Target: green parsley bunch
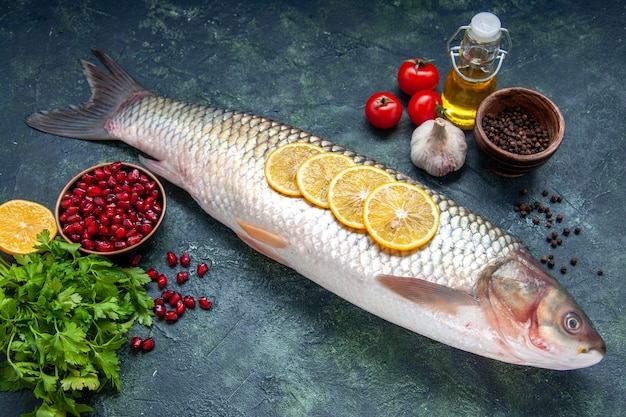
63,316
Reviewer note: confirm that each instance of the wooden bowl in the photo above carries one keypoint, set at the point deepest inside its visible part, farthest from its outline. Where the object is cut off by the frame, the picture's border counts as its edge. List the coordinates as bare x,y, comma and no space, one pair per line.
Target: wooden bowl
136,206
510,164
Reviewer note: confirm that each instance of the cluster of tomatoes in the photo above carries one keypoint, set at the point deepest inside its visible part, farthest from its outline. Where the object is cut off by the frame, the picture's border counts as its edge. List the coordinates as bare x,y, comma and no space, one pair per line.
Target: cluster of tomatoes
418,78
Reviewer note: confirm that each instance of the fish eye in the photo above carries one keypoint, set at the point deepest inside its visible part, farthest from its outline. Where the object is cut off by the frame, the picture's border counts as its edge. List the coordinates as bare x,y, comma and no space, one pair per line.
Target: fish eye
572,322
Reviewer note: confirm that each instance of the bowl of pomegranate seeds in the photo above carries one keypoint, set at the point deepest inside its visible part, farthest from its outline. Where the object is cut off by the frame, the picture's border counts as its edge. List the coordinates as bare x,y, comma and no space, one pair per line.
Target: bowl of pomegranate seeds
517,130
111,208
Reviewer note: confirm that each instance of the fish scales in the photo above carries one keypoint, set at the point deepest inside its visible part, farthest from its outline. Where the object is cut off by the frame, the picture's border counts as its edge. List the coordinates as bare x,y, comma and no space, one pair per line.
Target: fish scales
463,243
473,286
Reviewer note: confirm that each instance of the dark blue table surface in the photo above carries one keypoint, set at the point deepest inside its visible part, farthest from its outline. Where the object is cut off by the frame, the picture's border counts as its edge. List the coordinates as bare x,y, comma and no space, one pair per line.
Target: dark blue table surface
275,343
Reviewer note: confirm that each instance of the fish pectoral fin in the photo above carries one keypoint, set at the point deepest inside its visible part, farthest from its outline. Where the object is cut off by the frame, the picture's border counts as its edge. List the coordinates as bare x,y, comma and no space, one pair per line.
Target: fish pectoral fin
163,169
263,240
439,297
267,237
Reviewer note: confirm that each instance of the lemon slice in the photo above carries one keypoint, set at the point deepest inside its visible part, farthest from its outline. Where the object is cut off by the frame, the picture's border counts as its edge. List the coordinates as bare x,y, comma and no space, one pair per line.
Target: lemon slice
282,165
316,173
349,189
400,216
20,223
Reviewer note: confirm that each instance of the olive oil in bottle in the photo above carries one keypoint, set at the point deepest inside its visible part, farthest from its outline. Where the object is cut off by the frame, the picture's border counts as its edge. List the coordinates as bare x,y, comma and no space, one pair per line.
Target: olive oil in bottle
475,63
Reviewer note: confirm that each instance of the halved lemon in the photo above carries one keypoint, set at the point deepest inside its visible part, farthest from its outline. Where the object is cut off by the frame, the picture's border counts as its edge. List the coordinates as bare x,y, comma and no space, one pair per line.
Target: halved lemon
316,173
20,223
282,164
349,189
400,216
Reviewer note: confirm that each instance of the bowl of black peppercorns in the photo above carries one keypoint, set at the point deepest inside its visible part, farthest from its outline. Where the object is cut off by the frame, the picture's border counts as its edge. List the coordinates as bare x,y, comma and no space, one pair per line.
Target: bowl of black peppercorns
517,130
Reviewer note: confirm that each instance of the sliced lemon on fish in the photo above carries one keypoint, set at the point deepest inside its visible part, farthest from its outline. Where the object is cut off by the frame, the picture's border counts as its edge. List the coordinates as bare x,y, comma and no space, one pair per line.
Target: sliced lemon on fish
20,223
316,173
282,165
350,188
400,216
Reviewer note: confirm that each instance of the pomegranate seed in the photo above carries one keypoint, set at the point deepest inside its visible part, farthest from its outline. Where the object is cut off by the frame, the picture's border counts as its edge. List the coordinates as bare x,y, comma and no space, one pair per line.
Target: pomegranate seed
171,316
161,281
133,240
135,259
103,246
171,259
159,301
136,342
145,228
159,310
205,304
153,274
115,166
189,301
88,178
175,298
180,307
167,294
147,345
202,269
152,216
185,260
182,277
87,244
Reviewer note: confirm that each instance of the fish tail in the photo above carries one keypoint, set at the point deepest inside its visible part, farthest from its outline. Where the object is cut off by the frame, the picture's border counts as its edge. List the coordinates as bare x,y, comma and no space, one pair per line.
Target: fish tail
109,90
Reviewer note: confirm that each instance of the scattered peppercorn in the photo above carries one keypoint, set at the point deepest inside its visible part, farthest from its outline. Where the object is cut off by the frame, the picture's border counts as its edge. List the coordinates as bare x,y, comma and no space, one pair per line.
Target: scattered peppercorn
536,220
523,191
566,231
559,218
563,270
550,264
516,131
545,193
600,271
573,261
544,259
577,231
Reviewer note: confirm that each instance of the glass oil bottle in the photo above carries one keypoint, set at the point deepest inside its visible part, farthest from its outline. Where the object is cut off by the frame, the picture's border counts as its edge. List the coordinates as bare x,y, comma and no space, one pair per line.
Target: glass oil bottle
475,63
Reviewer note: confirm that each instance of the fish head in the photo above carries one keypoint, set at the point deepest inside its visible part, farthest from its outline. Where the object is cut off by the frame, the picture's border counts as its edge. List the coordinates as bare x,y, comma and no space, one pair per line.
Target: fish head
539,320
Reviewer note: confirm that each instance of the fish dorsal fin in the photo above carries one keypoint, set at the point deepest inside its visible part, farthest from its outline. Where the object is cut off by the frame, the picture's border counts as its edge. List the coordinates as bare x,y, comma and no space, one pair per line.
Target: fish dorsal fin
439,297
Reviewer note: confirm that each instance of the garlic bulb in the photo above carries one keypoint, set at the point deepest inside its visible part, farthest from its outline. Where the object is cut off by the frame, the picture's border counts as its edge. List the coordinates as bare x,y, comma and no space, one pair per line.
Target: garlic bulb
438,147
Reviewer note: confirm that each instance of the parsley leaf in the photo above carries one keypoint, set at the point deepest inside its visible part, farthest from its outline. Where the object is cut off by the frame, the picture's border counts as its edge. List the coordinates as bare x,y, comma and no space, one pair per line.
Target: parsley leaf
63,317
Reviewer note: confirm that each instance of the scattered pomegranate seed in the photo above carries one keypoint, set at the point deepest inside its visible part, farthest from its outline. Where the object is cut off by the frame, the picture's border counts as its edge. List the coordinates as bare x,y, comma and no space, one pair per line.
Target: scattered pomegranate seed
182,277
185,260
171,316
159,310
153,274
167,294
148,344
205,304
171,259
134,259
159,301
202,269
161,281
175,298
180,307
189,301
136,342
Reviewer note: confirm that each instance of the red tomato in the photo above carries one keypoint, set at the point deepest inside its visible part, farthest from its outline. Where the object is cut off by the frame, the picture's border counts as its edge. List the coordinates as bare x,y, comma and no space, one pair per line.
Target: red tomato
383,110
423,106
417,74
